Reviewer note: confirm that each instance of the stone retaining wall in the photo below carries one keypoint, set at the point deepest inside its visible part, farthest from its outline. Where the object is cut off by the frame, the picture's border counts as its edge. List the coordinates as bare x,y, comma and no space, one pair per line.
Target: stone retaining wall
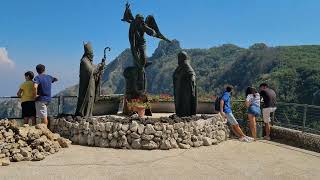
27,143
296,138
162,133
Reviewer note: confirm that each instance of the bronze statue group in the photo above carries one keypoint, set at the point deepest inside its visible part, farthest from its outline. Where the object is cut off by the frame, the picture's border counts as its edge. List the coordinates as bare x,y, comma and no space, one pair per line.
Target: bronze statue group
184,84
185,92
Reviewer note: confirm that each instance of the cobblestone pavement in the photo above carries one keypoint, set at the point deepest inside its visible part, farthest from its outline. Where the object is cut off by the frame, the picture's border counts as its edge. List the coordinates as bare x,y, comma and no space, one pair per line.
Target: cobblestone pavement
229,160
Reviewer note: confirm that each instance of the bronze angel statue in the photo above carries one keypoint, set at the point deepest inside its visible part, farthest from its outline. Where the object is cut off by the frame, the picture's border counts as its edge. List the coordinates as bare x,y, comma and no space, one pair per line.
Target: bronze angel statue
138,27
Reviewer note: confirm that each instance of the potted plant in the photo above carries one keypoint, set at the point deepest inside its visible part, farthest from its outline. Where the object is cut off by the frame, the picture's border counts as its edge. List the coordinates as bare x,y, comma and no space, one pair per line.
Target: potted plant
138,105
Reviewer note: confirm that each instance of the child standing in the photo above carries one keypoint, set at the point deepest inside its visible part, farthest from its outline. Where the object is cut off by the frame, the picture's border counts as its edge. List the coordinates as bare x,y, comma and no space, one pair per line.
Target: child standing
26,93
42,84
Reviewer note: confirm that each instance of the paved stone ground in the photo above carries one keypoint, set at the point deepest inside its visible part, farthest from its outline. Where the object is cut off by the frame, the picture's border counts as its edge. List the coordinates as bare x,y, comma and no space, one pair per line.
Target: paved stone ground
228,160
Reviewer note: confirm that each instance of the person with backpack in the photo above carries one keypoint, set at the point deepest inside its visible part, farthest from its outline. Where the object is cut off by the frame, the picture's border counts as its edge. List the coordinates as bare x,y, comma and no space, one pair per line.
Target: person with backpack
226,113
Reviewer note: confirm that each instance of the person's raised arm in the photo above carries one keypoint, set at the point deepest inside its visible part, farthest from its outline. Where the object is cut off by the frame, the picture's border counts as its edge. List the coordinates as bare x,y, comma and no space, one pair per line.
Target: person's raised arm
127,16
54,79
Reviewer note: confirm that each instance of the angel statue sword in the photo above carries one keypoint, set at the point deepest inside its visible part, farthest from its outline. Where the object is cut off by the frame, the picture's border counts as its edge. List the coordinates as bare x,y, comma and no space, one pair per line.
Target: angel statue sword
135,76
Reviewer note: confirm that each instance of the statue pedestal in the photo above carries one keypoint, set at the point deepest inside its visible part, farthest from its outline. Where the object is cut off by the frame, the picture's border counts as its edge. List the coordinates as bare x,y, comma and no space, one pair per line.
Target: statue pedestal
135,88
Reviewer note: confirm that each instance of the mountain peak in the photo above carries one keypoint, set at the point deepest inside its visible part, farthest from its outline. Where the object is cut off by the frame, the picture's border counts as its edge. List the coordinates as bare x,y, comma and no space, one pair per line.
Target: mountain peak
165,48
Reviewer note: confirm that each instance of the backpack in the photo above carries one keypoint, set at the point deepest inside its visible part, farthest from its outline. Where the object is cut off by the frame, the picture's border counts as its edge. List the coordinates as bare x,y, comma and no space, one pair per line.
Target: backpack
217,104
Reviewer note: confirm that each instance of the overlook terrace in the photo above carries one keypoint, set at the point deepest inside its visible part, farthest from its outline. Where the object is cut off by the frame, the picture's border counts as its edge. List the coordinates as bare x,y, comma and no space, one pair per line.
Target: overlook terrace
262,159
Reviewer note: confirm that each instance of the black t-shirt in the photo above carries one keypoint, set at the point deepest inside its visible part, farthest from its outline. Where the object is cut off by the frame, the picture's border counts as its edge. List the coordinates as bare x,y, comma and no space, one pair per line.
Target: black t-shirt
269,98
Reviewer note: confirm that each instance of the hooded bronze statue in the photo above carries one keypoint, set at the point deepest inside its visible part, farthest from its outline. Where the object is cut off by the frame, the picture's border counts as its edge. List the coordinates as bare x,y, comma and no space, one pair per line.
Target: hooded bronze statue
184,87
89,82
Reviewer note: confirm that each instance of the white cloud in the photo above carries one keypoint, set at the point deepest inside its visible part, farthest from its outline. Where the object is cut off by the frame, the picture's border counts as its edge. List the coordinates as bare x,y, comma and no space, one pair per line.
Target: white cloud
5,61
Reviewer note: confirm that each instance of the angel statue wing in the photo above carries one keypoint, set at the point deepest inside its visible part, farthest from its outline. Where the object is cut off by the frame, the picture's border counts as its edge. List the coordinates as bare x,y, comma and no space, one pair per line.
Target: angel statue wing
151,22
127,16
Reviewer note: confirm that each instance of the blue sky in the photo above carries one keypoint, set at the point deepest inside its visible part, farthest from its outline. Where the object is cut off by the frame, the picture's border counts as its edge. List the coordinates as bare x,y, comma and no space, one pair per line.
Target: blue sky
51,32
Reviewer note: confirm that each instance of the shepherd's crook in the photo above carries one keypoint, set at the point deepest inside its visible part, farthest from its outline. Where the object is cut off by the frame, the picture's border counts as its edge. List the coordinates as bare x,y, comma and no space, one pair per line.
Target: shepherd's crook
104,53
103,63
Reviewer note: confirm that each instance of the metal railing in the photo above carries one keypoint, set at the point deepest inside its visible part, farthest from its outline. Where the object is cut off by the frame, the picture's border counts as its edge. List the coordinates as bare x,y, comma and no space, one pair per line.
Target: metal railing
303,117
298,116
291,115
68,104
10,107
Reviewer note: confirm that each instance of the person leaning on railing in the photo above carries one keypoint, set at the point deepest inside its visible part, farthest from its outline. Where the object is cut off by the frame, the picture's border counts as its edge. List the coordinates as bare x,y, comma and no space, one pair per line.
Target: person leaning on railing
252,102
42,84
269,106
226,113
26,93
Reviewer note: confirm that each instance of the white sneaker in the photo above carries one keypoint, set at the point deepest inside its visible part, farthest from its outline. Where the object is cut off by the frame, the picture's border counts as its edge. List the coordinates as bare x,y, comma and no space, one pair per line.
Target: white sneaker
250,138
244,139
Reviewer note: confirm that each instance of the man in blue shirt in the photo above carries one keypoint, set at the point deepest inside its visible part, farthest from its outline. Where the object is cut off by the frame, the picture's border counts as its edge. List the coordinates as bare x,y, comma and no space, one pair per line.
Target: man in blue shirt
226,113
42,84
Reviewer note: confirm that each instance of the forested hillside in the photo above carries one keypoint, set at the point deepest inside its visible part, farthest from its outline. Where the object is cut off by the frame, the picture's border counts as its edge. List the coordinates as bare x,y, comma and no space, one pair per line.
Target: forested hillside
293,71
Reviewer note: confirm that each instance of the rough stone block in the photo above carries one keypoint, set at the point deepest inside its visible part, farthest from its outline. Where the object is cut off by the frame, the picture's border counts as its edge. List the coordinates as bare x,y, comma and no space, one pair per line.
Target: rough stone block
149,145
184,146
136,144
149,129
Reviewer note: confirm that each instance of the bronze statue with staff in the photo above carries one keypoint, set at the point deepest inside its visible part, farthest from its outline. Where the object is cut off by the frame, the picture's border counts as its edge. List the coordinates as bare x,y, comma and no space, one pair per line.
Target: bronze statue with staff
90,77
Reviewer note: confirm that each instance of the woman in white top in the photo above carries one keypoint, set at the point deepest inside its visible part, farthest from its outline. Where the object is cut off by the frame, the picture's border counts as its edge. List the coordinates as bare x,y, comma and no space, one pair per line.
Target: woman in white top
253,105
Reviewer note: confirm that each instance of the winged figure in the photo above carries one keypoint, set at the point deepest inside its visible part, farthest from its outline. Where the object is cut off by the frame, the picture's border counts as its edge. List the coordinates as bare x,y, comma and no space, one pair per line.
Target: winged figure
138,27
135,76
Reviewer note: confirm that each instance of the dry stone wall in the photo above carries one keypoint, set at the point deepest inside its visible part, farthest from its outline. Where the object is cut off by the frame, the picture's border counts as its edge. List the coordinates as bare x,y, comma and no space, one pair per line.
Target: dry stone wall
149,134
27,143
